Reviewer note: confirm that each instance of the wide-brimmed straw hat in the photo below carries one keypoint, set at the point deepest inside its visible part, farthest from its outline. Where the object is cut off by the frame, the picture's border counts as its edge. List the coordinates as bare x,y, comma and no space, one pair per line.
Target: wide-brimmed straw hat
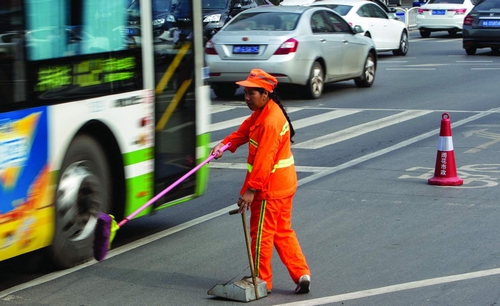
260,79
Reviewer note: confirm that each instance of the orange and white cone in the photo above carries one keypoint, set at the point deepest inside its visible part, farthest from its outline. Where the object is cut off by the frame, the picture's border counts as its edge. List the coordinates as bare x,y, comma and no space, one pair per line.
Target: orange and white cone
445,173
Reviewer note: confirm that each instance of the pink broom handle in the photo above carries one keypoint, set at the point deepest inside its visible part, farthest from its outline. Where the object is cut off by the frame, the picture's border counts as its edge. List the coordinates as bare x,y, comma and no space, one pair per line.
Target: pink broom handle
154,199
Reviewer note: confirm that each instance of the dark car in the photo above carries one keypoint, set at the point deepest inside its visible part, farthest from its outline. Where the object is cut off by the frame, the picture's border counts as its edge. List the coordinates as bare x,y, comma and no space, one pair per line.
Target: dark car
172,19
216,13
162,18
481,28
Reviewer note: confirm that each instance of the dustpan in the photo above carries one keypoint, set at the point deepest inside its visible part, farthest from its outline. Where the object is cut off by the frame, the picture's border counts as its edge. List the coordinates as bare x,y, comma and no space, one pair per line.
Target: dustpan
249,288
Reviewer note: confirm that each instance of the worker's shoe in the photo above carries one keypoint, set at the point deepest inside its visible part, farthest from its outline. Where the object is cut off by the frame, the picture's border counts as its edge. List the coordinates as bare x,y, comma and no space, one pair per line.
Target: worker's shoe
303,284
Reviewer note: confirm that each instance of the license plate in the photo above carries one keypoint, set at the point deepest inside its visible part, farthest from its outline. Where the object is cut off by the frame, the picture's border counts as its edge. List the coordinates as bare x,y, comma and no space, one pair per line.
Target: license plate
438,12
245,49
490,23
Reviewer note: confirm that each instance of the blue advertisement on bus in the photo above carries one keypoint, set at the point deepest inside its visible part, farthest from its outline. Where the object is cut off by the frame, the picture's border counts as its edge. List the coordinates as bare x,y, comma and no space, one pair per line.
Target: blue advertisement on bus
23,178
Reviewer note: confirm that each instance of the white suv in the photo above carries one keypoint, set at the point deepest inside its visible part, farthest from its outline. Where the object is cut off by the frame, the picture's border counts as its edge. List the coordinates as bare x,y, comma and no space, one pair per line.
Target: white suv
442,15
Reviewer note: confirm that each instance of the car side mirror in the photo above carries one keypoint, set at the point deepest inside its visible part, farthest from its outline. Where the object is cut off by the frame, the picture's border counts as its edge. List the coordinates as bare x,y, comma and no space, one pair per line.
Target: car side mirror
358,29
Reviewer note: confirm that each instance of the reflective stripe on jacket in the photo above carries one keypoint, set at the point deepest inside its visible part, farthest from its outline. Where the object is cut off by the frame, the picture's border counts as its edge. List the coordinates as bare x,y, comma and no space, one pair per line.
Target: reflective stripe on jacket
270,161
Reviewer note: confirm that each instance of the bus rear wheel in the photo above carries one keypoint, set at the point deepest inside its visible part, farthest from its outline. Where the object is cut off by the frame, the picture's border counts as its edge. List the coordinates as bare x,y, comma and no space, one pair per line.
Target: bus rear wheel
83,190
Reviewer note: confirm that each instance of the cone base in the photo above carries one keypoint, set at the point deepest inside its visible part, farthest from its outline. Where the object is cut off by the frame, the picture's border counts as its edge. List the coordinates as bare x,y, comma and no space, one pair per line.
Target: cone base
446,181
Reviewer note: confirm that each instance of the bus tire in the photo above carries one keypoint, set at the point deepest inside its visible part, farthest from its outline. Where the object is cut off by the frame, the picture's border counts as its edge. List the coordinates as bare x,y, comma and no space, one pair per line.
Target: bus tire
83,190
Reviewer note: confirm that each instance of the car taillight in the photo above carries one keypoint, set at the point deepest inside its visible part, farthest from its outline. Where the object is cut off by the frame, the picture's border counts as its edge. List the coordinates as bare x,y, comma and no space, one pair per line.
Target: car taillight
468,20
210,48
459,11
287,47
421,11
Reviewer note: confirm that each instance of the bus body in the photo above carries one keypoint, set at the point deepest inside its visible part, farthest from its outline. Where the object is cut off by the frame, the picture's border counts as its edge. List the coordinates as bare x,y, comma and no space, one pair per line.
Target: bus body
96,114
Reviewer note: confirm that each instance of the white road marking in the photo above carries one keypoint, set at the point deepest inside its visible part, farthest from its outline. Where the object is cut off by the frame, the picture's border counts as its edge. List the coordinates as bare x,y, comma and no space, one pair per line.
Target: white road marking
302,123
237,121
394,288
243,166
215,108
411,69
485,68
332,138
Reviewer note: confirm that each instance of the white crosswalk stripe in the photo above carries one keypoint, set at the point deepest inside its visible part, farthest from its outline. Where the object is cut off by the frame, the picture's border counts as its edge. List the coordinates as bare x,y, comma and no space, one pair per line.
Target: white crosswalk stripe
326,139
358,130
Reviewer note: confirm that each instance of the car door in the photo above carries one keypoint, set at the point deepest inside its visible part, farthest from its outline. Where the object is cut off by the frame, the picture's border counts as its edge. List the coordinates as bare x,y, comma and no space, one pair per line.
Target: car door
331,45
374,23
353,49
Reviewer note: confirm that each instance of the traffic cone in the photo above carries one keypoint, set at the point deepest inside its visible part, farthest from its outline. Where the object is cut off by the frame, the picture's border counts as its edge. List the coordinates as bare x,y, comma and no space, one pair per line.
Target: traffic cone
445,173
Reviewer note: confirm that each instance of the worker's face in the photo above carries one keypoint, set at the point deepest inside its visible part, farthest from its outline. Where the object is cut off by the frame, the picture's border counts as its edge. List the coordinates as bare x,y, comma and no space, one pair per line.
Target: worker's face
254,99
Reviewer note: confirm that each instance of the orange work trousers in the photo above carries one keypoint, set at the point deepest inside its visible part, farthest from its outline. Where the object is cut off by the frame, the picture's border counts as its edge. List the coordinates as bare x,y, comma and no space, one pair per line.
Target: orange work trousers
270,225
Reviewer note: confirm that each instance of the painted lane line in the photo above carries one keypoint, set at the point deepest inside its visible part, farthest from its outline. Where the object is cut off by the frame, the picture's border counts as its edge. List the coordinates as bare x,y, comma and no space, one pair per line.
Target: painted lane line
485,68
358,130
302,123
237,121
220,108
411,69
244,166
394,288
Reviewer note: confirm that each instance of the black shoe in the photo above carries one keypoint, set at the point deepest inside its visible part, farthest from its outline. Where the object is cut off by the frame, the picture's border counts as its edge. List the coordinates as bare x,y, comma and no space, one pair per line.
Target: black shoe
304,284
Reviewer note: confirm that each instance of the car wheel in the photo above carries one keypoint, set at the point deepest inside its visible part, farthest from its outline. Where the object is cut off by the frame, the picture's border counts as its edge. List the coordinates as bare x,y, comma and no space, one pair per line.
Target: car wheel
368,76
452,32
314,87
470,51
403,45
224,90
83,190
425,33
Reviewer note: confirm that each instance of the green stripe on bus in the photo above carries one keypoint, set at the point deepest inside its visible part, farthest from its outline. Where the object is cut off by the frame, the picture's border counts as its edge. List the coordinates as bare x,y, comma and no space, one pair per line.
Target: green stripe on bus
202,174
139,191
138,156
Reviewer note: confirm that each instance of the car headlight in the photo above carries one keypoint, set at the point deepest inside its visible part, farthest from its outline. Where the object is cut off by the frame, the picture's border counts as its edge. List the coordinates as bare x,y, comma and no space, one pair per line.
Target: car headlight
158,22
212,18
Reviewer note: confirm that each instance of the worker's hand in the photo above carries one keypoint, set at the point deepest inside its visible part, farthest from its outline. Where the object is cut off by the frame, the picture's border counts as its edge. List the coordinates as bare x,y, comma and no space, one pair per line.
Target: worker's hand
216,152
245,200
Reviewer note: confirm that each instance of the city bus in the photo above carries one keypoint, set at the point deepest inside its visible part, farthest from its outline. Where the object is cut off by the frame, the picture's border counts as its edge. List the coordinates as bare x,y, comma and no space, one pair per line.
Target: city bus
101,107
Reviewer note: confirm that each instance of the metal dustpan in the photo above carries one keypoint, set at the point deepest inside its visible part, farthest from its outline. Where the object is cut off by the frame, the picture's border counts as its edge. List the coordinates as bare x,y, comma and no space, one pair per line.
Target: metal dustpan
242,290
249,288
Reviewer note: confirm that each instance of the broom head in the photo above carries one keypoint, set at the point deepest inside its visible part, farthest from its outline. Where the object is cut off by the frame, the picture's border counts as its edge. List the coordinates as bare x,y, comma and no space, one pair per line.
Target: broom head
103,235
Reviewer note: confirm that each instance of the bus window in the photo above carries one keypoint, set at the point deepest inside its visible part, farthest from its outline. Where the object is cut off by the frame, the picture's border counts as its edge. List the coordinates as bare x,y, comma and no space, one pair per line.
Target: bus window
11,53
59,28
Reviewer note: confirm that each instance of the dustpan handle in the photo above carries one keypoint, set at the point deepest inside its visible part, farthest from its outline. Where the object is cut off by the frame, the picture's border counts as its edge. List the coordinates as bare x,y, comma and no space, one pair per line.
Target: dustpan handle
159,195
249,251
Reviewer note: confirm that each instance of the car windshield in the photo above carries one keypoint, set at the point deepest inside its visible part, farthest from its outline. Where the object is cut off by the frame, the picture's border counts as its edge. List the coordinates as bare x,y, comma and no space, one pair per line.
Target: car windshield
341,9
214,4
268,21
446,1
488,5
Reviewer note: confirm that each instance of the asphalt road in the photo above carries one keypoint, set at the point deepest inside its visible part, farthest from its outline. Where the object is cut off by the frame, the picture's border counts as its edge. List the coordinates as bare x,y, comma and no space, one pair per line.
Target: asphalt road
373,230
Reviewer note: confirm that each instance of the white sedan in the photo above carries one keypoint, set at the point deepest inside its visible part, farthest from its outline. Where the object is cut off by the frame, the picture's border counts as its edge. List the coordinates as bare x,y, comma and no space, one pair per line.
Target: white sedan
387,32
300,45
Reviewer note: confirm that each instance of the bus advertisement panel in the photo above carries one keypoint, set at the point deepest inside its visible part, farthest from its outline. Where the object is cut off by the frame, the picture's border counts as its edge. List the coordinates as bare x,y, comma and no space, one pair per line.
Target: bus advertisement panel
26,201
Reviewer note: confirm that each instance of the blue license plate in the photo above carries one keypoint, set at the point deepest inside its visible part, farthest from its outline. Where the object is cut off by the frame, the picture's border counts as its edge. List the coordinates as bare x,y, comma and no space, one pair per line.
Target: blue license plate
245,49
490,23
438,12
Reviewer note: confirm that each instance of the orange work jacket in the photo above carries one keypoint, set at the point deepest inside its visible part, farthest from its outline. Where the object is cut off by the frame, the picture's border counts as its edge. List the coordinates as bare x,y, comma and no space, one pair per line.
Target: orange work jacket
271,169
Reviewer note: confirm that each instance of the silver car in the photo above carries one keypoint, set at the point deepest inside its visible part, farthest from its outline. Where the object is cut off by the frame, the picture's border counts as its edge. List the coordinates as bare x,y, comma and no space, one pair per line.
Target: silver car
305,46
